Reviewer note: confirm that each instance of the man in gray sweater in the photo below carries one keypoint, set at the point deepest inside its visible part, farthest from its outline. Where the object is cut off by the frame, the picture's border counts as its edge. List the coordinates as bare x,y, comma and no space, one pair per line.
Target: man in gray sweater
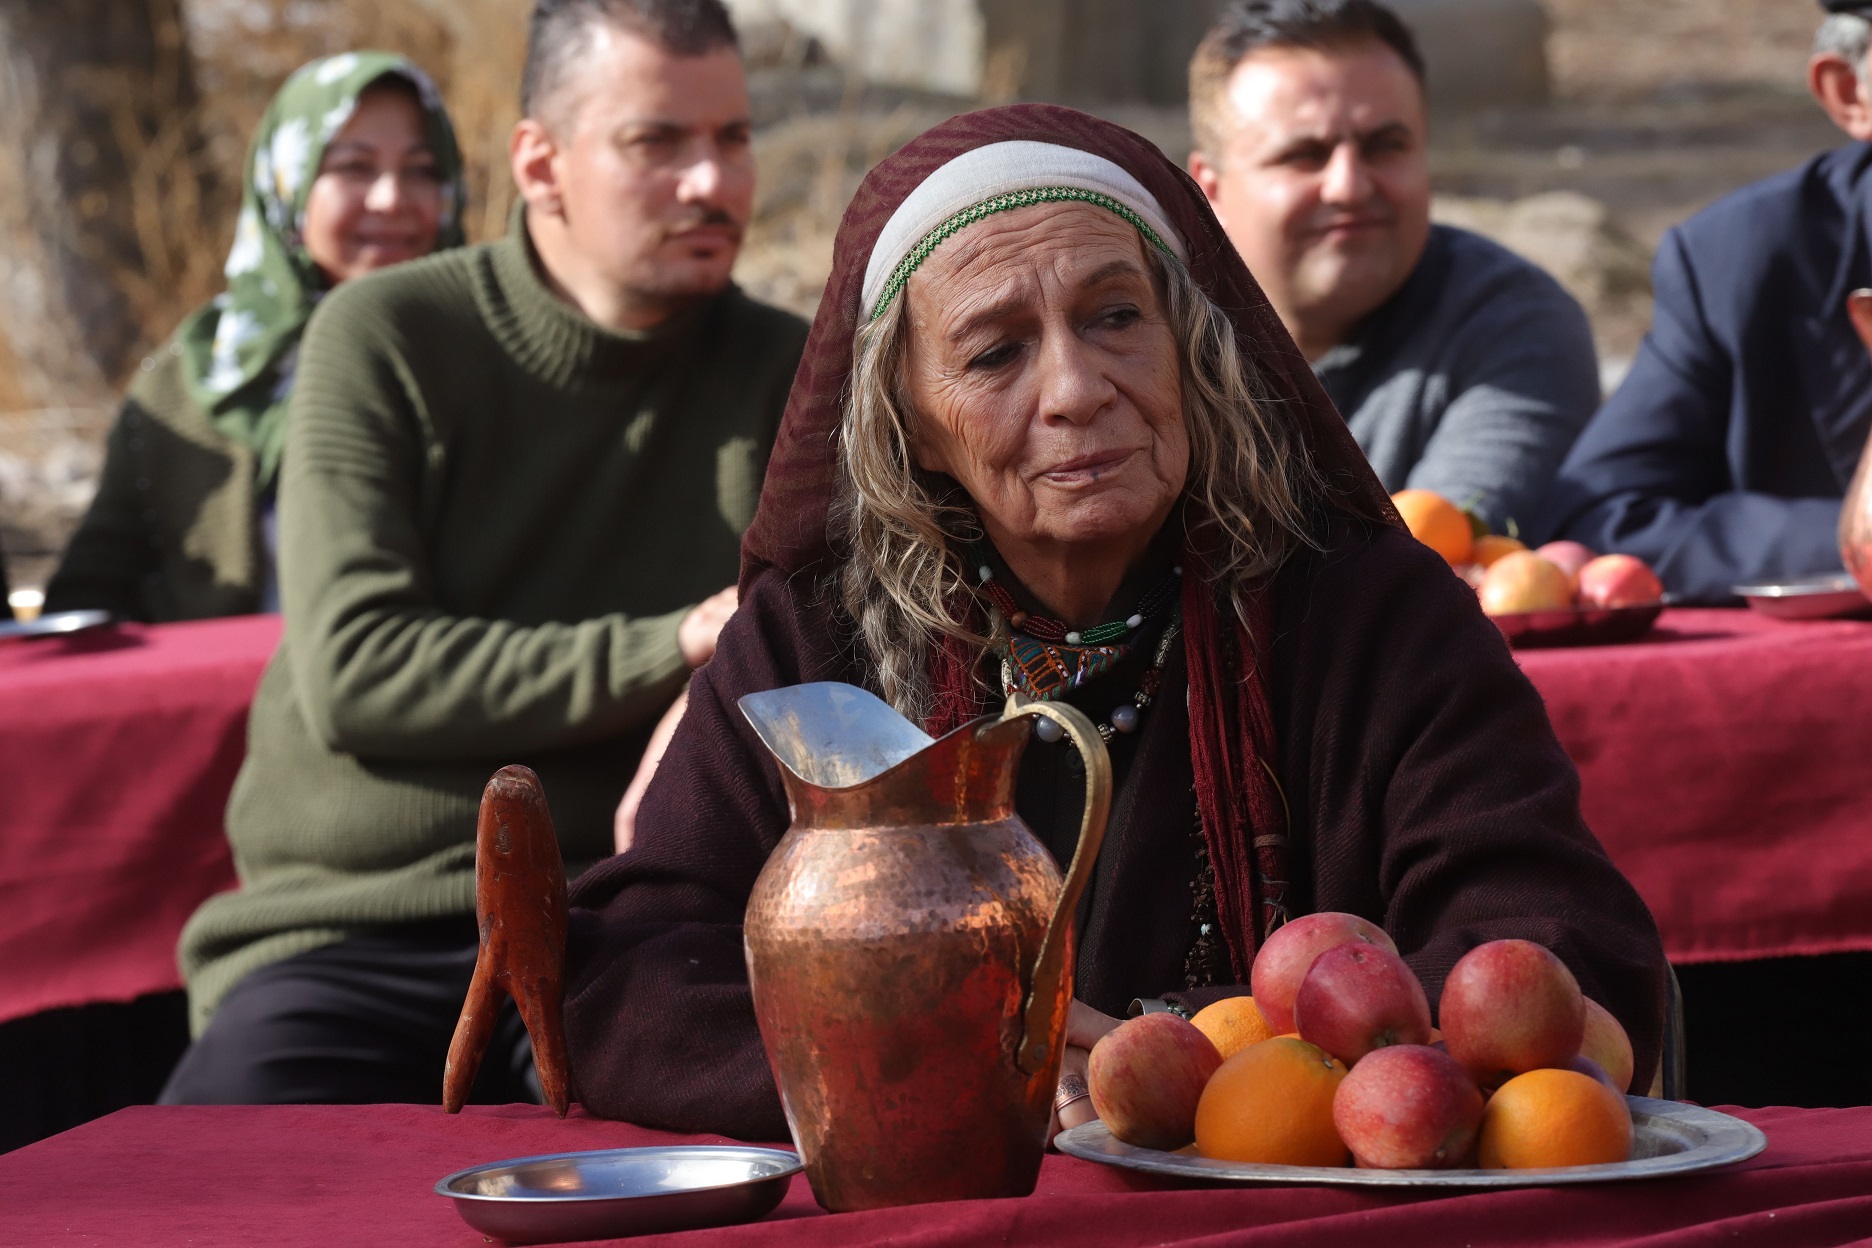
1460,367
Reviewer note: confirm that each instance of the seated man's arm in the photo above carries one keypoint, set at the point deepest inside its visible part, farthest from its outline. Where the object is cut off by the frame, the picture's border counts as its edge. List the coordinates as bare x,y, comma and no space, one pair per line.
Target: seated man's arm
1651,476
1440,799
380,668
659,1017
1525,383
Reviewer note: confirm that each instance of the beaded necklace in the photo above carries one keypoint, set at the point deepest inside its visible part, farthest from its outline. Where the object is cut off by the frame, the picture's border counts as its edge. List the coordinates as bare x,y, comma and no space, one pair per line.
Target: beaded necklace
1045,629
1123,718
1046,658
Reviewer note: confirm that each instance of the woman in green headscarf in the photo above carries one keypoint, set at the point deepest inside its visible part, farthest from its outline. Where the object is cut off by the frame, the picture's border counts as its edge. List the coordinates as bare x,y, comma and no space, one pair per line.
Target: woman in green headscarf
354,168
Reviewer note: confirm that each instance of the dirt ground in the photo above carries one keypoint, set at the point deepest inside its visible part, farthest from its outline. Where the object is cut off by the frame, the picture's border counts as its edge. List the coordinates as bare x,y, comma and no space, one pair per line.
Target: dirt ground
1660,107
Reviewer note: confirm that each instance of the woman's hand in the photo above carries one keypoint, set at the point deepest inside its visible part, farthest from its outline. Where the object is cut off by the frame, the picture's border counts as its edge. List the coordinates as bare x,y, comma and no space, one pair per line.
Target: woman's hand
624,826
1072,1104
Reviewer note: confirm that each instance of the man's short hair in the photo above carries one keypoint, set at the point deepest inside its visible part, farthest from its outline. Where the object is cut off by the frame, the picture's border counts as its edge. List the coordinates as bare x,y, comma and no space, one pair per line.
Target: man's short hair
1845,35
560,33
1249,25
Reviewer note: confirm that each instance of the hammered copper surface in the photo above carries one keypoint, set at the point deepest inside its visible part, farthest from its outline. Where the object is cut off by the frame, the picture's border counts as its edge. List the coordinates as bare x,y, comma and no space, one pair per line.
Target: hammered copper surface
911,1001
520,902
1855,526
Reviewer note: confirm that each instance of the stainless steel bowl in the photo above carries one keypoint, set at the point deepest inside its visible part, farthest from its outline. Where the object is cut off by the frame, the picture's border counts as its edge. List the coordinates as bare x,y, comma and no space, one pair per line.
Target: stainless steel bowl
58,624
1835,596
613,1192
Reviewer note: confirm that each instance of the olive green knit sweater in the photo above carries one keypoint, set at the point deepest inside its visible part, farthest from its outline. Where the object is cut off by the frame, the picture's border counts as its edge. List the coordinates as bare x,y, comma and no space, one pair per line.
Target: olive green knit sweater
493,516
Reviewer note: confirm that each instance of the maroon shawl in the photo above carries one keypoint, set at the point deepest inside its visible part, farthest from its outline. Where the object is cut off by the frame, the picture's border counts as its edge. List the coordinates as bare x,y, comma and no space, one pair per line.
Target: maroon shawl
1232,741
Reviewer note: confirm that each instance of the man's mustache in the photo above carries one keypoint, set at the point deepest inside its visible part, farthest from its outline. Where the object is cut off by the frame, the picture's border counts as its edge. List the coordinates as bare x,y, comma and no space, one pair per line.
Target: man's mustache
707,218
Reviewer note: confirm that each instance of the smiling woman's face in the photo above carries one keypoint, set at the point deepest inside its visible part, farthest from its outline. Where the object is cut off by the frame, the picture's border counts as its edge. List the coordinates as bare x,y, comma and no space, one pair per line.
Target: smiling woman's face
1045,381
377,199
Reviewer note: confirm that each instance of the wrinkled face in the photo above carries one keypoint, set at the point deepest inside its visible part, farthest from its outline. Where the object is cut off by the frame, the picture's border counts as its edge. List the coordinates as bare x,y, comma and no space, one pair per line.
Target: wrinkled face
654,166
1324,187
377,199
1045,380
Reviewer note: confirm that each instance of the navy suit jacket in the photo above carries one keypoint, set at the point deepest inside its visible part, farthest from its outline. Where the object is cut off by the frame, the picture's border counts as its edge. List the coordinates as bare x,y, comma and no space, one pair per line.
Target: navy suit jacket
1723,457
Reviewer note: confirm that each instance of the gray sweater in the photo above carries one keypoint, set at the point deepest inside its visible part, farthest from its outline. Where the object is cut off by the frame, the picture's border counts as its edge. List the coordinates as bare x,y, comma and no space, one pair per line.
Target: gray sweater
1473,380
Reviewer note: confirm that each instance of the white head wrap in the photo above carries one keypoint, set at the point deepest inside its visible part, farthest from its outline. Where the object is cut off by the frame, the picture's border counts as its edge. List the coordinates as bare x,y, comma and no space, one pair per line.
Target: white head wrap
996,178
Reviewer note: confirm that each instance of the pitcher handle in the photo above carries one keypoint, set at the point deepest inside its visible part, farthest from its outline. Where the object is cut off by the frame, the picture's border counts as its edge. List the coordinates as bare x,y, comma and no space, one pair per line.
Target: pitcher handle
1039,1017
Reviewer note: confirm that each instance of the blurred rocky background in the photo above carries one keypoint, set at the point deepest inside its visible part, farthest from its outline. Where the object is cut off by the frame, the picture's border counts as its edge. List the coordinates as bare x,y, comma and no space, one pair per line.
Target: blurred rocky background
1573,131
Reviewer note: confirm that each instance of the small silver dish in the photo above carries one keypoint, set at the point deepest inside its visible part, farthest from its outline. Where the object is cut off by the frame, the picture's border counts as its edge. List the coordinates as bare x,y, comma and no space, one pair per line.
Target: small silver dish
58,624
1669,1138
1832,597
613,1192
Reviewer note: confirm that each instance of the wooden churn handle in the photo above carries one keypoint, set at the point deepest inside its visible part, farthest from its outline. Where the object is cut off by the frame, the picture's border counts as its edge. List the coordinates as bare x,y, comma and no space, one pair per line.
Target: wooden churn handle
520,904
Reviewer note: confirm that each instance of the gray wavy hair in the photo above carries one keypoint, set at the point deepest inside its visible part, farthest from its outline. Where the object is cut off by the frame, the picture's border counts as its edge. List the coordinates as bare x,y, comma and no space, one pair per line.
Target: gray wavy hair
905,582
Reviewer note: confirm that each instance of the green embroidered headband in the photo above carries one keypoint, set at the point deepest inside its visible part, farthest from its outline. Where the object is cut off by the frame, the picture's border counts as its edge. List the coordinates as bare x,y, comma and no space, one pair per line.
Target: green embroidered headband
999,178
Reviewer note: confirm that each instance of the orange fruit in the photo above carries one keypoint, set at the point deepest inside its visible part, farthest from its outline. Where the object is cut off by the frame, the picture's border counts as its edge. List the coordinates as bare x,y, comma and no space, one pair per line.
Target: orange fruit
1271,1104
1232,1024
1492,546
1436,522
1551,1118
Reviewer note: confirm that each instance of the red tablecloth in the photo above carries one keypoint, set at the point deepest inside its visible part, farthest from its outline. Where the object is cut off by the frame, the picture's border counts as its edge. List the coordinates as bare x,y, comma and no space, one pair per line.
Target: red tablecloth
321,1176
117,752
1726,765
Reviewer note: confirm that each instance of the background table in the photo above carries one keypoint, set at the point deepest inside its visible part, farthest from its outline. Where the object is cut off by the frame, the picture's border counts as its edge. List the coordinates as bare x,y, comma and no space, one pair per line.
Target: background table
223,1176
117,753
1726,766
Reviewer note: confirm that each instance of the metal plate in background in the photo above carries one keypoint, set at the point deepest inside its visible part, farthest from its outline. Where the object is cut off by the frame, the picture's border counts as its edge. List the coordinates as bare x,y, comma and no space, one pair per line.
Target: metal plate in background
58,624
1832,597
612,1192
1578,626
1668,1139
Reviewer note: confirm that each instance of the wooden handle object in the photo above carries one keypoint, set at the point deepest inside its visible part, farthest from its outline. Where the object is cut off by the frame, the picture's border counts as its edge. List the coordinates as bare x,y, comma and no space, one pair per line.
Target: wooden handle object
520,903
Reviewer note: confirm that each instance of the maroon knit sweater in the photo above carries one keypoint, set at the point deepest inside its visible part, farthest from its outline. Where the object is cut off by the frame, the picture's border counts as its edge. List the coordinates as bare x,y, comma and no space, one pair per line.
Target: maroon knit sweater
1426,788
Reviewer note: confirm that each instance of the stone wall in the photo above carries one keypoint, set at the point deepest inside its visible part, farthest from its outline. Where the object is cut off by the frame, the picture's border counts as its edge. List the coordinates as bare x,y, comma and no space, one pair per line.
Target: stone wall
1481,53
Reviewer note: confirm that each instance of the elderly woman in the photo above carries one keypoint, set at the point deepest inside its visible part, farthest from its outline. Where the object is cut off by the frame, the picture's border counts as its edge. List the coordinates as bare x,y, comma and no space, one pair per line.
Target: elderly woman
353,168
1048,437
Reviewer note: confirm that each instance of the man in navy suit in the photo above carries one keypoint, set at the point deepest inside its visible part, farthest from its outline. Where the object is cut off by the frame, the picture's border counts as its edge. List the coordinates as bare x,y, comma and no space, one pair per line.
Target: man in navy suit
1722,459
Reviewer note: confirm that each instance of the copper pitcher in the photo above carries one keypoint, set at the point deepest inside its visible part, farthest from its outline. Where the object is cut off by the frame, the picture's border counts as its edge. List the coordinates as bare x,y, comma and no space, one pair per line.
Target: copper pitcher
1855,526
910,946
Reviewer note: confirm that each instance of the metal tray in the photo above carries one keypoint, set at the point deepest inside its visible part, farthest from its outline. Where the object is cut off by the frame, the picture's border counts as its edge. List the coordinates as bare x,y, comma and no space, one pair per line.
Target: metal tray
614,1192
58,624
1811,598
1578,626
1668,1138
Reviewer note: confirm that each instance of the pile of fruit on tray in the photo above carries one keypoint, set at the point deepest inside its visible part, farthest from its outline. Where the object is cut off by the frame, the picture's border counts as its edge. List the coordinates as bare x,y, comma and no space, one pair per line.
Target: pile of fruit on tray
1560,588
1334,1061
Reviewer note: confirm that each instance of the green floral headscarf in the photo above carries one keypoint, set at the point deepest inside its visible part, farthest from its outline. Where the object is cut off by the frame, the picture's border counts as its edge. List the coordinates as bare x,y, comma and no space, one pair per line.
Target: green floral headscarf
238,352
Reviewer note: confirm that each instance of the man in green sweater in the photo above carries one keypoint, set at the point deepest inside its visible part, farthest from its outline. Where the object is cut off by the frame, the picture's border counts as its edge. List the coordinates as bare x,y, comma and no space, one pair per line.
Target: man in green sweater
513,488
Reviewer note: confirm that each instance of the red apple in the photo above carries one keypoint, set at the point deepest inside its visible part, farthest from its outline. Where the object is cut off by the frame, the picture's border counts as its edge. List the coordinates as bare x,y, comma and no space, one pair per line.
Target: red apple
1508,1007
1569,557
1146,1076
1408,1107
1618,581
1524,582
1592,1070
1288,954
1359,997
1608,1045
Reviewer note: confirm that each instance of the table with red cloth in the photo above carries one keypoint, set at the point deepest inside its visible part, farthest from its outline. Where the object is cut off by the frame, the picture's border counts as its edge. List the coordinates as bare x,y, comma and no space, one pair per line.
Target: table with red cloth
221,1176
118,748
1726,766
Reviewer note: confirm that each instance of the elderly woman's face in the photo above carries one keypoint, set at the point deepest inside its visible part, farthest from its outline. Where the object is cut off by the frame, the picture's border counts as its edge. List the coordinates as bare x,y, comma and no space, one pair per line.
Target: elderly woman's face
1045,378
